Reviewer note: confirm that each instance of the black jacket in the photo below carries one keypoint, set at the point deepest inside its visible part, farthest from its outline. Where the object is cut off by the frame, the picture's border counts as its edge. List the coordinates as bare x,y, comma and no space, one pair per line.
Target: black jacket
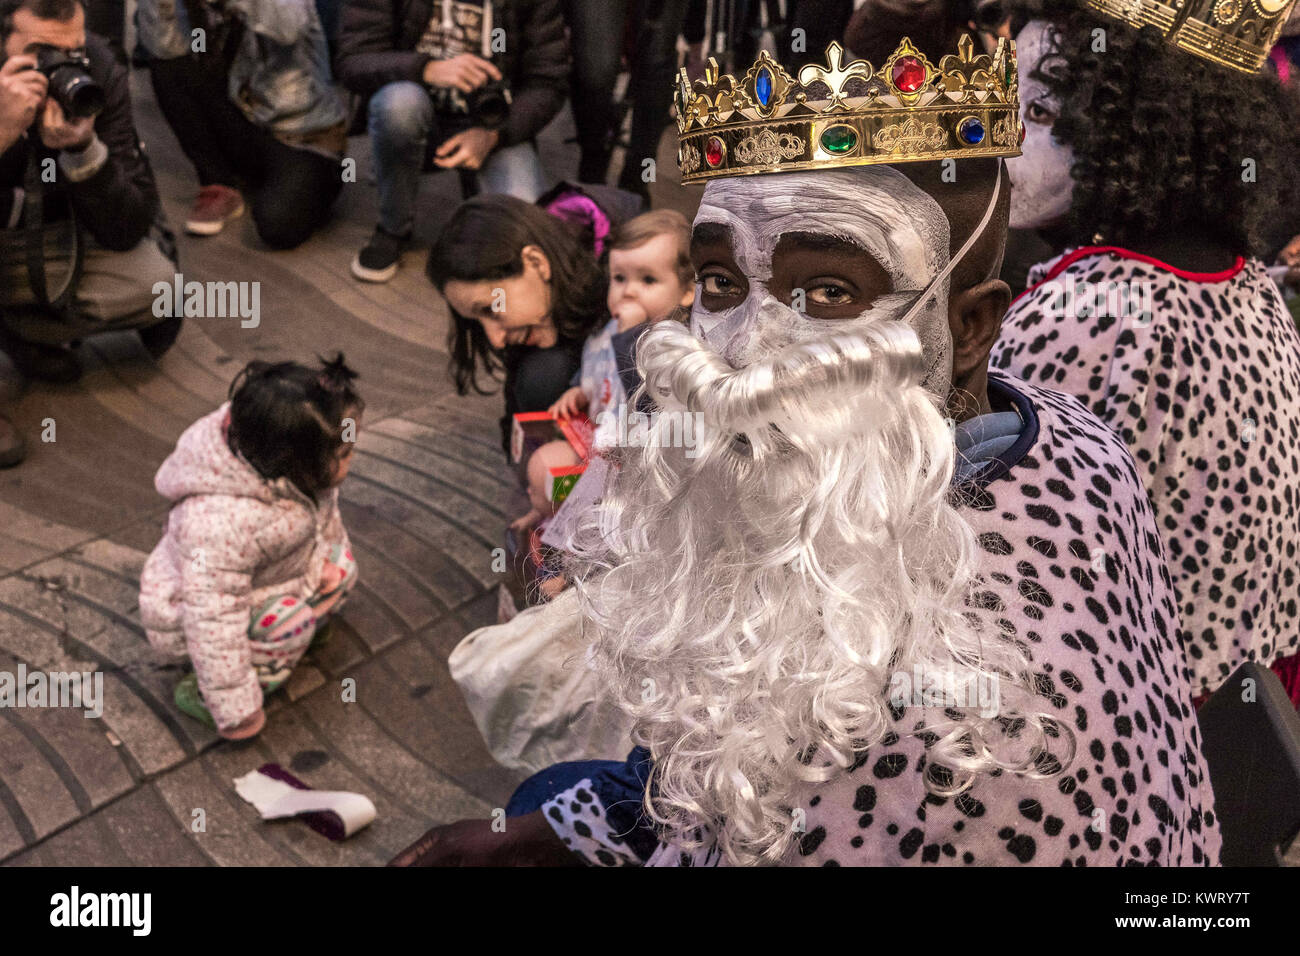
377,39
119,203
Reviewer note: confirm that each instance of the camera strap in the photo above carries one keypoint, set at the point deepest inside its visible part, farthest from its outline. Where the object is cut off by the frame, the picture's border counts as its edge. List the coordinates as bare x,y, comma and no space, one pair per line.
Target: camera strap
62,301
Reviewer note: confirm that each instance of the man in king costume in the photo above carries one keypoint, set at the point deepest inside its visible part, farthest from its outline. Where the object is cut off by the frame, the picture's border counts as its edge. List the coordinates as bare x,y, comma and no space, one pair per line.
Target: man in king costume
869,508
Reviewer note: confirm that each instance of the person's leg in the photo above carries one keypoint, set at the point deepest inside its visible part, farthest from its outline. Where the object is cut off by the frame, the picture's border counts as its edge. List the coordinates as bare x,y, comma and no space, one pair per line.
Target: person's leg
401,122
822,21
653,73
694,25
341,567
116,288
693,30
594,28
35,340
195,105
229,153
294,197
280,631
515,171
115,291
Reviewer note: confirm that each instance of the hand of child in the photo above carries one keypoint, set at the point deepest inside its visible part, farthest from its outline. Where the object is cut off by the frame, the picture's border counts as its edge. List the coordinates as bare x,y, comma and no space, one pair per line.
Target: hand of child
569,404
630,314
331,577
521,525
247,728
550,587
530,841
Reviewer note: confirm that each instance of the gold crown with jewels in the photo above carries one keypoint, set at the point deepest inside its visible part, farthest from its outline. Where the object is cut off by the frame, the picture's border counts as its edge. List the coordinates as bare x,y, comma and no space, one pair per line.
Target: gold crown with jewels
839,114
1232,33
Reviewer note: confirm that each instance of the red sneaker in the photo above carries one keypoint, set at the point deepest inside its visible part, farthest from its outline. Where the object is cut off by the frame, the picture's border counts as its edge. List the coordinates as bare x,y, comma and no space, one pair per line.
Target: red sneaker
215,206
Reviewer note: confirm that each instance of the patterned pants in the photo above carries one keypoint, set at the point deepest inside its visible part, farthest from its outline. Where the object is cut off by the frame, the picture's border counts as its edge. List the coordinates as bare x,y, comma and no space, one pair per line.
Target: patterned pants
282,629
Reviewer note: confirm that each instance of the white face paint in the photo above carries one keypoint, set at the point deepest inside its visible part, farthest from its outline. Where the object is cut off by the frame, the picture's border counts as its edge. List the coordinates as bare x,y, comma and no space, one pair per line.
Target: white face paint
1041,185
877,209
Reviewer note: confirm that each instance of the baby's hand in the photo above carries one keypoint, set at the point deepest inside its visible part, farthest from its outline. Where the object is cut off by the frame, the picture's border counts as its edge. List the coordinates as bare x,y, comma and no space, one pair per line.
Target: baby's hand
629,314
550,587
569,404
522,524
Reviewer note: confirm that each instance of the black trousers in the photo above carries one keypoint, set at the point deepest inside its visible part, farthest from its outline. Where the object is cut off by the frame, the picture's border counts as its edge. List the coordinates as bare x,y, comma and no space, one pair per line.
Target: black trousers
291,190
660,22
596,32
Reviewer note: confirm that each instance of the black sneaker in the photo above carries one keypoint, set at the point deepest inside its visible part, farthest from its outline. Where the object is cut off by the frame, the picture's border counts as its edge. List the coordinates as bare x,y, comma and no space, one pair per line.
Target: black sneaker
46,363
160,336
377,262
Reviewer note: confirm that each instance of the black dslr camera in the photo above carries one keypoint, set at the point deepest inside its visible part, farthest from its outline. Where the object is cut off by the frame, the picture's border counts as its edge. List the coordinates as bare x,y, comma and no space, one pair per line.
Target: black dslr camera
489,105
70,82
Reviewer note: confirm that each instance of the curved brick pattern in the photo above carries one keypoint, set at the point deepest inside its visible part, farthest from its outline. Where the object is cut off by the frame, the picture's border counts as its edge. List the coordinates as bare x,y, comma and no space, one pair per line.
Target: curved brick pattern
122,789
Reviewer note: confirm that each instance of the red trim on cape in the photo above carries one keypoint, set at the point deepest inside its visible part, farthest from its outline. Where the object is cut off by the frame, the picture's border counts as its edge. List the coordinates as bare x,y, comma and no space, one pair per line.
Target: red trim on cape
1082,253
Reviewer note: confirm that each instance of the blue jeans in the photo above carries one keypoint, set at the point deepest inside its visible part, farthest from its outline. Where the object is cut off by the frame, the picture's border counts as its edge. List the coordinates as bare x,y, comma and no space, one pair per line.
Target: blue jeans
618,787
403,126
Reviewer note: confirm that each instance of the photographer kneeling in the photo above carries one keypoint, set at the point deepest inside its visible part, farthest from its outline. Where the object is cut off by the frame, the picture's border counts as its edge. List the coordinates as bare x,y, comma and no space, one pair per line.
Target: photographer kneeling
77,199
461,84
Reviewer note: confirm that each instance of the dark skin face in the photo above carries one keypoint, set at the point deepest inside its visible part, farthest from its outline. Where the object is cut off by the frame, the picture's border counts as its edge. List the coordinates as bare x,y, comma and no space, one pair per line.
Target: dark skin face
841,280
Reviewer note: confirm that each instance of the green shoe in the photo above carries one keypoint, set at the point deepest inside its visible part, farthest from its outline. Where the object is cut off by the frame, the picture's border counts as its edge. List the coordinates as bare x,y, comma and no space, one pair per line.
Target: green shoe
190,702
322,638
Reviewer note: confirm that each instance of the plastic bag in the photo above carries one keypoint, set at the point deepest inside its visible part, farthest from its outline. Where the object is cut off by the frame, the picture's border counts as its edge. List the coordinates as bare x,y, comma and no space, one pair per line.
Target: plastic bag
532,694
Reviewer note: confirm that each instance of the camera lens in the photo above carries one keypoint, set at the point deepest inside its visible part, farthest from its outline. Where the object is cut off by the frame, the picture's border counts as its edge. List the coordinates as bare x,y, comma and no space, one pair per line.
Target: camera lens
78,94
491,107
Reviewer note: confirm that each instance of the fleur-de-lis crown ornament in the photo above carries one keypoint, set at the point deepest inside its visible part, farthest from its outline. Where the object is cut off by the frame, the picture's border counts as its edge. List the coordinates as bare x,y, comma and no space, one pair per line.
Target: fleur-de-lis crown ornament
835,113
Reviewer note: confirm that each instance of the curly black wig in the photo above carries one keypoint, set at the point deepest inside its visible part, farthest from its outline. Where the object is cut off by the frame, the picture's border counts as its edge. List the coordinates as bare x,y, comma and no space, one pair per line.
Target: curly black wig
1161,138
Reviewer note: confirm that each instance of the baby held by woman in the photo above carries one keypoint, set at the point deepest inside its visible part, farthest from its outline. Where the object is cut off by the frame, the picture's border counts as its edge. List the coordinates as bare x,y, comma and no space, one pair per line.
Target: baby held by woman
650,278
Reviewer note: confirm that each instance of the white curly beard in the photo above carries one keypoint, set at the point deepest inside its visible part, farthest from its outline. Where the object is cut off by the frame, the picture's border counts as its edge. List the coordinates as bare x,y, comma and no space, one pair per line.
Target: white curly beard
752,601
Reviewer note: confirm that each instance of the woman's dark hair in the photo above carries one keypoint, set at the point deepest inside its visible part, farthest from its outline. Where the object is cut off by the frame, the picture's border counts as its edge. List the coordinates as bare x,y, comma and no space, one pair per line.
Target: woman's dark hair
1160,137
286,420
485,240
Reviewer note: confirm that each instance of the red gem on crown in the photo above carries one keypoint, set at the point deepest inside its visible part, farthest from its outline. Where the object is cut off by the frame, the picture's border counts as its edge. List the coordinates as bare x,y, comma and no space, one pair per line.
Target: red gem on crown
908,74
713,151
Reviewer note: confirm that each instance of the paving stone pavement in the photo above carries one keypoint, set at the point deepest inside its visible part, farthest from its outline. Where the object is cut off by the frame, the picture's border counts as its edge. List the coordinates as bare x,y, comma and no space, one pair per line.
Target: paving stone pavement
423,506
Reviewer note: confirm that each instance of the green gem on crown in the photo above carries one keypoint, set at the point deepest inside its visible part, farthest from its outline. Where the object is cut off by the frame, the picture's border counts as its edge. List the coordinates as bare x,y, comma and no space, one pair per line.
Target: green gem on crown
839,139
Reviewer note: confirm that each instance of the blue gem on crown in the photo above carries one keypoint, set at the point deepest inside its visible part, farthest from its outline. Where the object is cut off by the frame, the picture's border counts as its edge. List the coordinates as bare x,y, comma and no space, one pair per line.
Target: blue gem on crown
763,86
971,131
